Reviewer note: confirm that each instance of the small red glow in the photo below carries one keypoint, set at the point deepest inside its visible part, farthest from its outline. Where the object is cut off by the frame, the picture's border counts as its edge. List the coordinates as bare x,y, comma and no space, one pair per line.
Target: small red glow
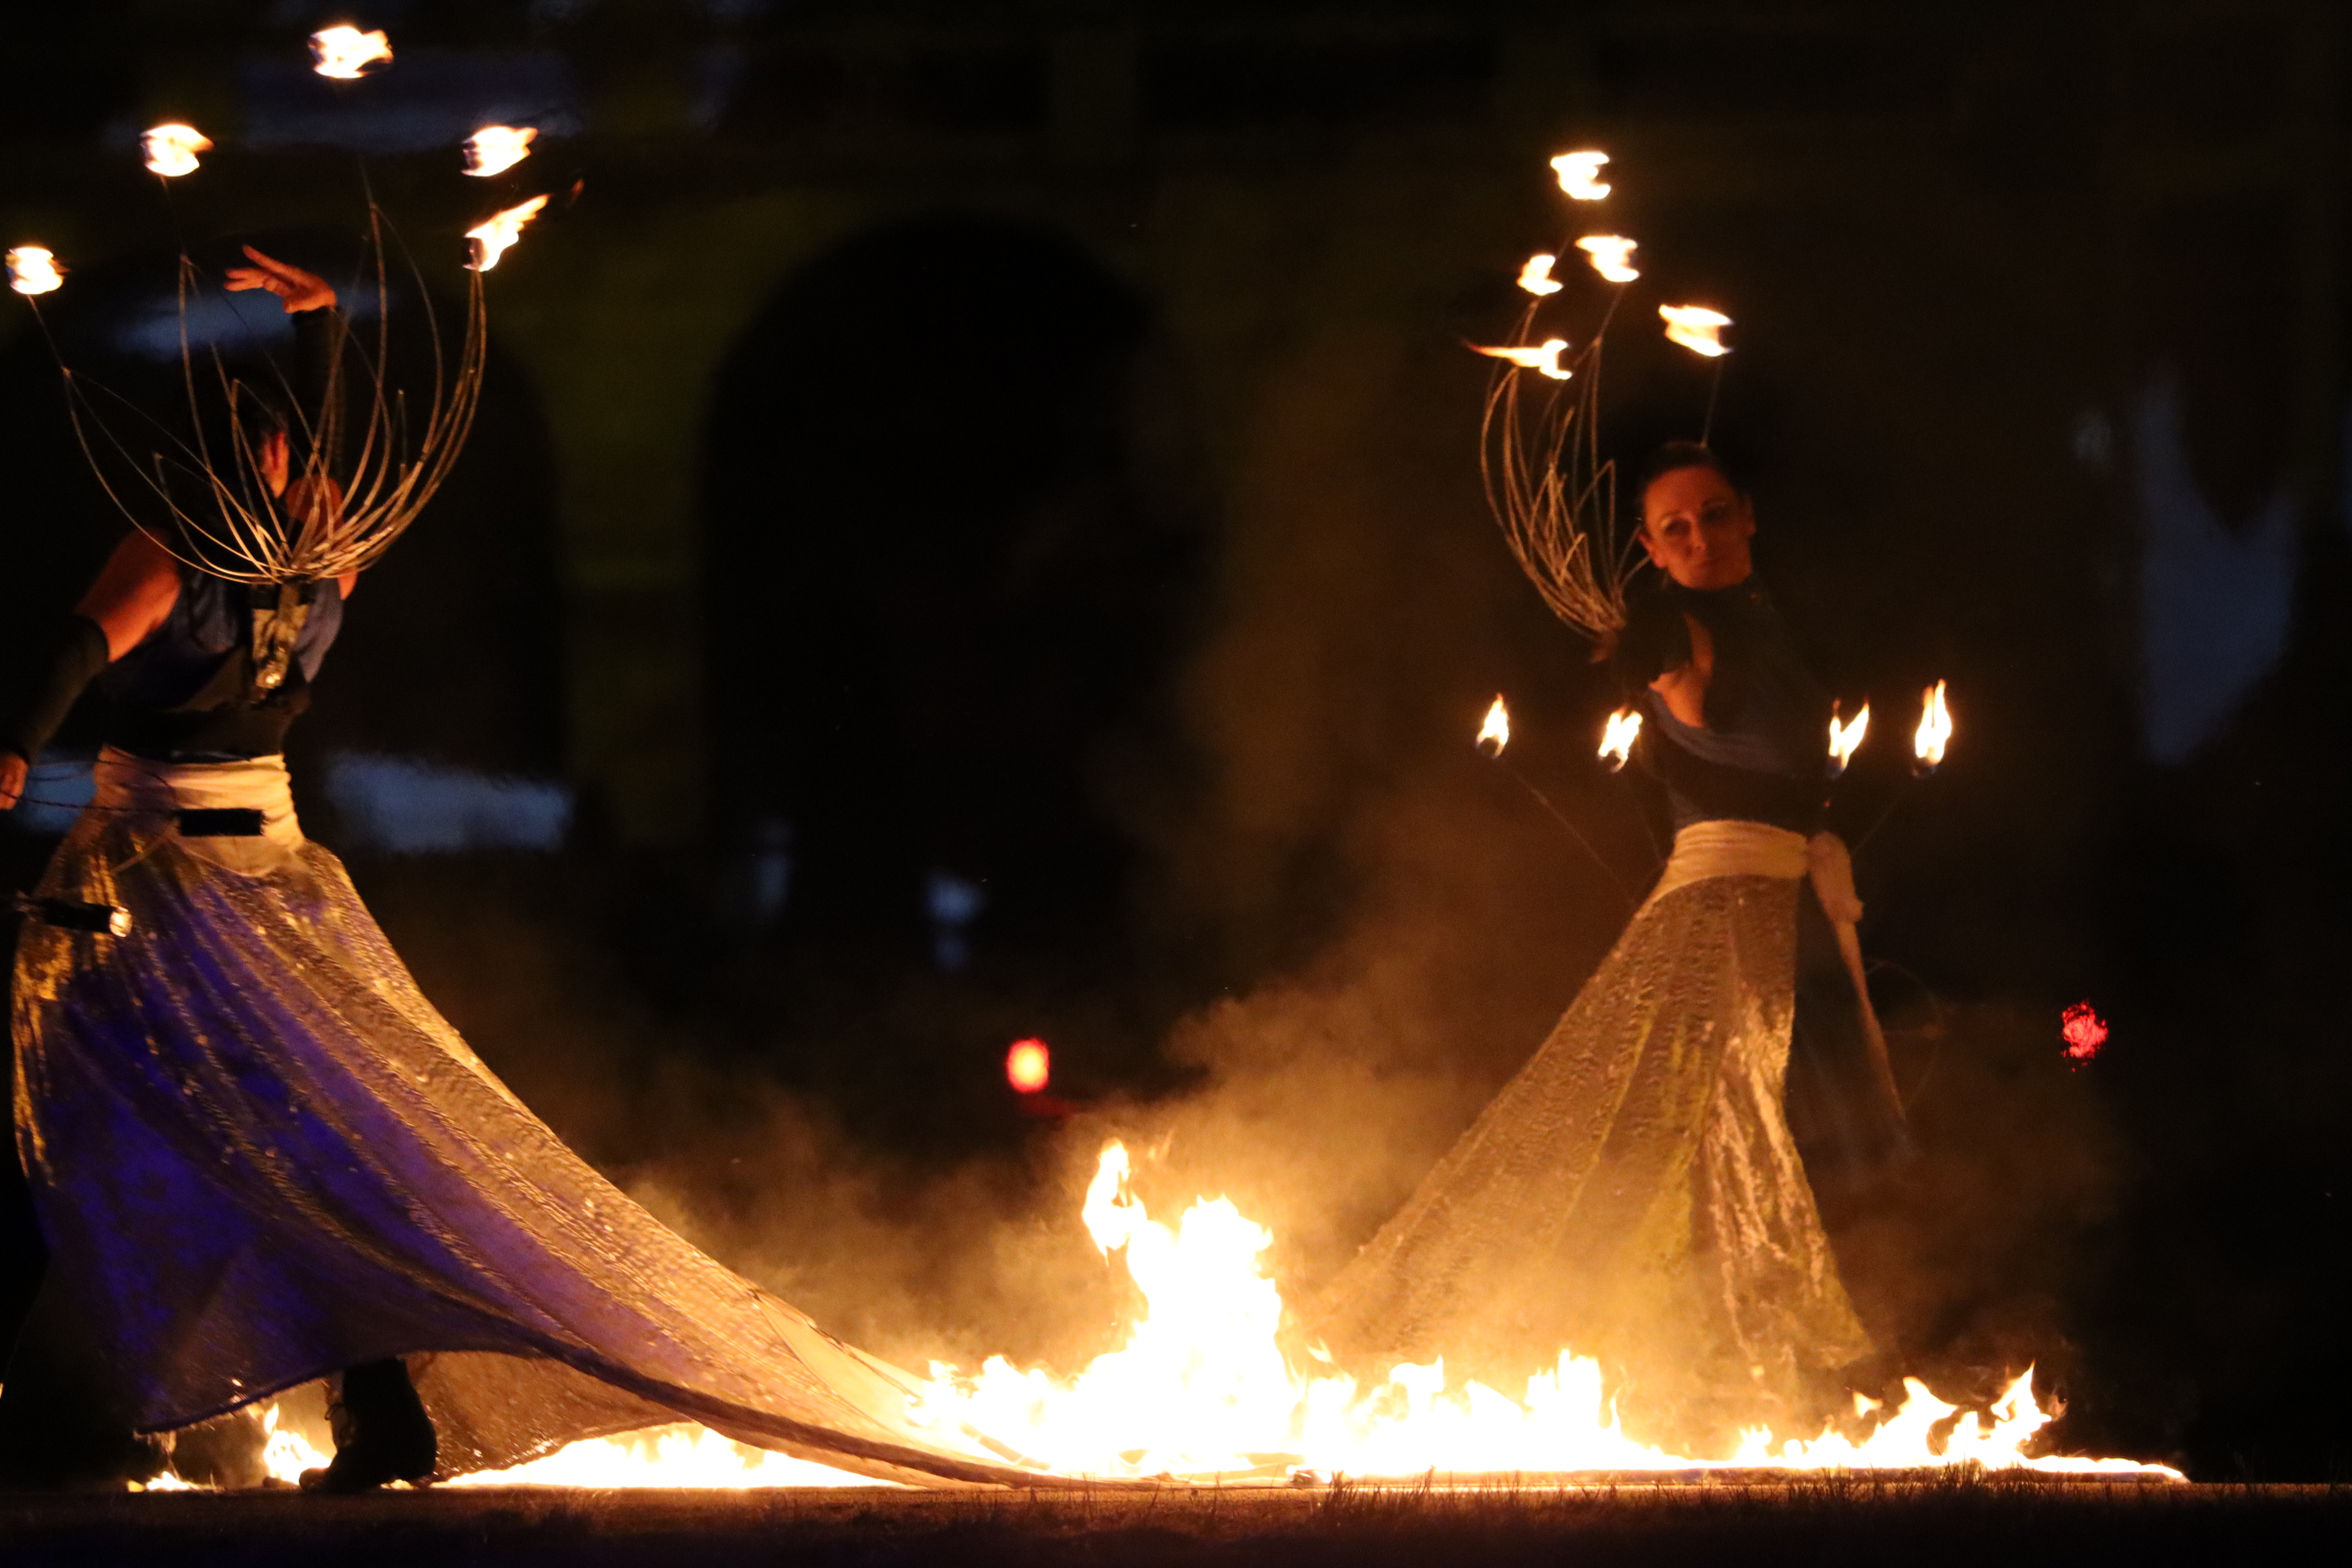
2083,1031
1028,1066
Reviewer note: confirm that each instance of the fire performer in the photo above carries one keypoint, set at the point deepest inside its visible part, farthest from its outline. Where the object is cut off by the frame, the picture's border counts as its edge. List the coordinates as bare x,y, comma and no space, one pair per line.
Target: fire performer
257,1155
1635,1193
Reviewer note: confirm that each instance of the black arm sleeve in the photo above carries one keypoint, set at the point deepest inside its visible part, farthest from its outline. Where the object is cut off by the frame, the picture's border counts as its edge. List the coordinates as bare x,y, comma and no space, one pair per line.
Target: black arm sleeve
318,379
75,655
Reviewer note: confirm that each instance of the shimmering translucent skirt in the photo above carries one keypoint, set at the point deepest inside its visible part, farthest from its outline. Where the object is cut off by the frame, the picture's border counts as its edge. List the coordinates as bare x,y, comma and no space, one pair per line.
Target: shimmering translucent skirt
1633,1194
258,1155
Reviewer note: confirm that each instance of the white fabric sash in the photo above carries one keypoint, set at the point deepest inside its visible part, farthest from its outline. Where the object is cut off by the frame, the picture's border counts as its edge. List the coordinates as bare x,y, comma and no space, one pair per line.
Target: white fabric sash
138,786
1708,850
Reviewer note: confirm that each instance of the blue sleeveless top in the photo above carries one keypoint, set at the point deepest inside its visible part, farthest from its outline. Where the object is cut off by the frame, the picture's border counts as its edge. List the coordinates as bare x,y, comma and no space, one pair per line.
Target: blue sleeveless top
150,688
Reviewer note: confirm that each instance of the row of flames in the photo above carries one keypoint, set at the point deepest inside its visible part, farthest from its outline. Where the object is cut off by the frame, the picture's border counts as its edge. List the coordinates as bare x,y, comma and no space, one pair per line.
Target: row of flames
1697,328
345,54
1201,1390
1928,743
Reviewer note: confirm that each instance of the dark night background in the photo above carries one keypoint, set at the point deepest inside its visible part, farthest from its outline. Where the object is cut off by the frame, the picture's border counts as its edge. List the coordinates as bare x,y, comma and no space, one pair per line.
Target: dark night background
974,532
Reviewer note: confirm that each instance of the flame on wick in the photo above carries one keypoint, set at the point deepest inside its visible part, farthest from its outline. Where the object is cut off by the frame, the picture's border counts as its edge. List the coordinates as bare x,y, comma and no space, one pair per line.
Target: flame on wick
2084,1033
1495,733
1694,328
347,54
1028,1066
1934,729
1543,357
495,149
499,231
170,150
1617,739
1612,256
1845,739
1536,276
32,269
1580,174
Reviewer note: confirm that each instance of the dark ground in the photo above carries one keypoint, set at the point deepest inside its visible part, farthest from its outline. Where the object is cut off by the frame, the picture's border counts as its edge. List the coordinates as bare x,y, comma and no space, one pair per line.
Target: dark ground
1960,1521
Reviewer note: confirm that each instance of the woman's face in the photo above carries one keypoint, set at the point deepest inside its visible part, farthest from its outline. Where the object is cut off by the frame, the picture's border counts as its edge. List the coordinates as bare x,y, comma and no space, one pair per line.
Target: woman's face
1697,527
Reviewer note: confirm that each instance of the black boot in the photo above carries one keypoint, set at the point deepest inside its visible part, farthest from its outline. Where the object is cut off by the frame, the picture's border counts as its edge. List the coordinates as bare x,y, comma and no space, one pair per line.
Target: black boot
381,1432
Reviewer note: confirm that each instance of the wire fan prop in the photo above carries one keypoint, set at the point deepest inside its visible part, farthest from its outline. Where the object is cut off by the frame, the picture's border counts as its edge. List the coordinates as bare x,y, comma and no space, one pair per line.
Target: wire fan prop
206,498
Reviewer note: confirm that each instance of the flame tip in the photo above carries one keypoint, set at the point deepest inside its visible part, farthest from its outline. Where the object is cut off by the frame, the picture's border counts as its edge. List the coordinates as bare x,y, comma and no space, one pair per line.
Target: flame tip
343,53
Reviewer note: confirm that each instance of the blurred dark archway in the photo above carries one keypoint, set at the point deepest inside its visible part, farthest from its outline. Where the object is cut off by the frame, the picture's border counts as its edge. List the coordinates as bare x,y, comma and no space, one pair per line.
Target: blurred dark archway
949,574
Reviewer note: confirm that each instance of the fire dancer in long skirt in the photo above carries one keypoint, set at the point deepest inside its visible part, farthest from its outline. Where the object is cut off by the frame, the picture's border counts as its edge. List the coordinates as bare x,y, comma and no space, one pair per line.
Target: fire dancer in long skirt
1635,1192
258,1156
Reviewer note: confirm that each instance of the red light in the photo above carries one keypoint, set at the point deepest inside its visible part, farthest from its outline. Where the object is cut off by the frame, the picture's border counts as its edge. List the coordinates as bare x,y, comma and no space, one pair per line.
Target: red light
2084,1033
1028,1066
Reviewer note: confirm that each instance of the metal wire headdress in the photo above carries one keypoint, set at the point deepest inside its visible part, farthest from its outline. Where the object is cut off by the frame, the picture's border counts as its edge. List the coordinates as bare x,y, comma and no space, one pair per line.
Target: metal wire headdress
1553,497
219,511
1552,494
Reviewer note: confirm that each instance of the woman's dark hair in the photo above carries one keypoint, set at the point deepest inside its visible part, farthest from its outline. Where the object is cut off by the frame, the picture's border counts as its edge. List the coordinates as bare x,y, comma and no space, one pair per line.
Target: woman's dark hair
1671,455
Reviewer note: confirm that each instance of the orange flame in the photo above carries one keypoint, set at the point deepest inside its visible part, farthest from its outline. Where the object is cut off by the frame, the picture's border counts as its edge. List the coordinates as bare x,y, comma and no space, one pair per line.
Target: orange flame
1495,733
495,149
1028,1066
31,269
1543,357
1617,739
347,54
1934,728
1201,1388
499,231
1612,256
1580,174
170,150
1846,738
1694,328
1536,276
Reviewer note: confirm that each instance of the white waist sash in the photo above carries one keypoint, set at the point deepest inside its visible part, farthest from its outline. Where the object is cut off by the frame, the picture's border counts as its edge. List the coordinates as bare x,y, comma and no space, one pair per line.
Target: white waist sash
142,788
1708,850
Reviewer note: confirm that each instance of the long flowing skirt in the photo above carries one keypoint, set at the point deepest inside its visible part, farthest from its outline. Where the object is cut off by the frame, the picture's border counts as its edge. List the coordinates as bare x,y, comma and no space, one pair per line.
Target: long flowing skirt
1633,1194
258,1155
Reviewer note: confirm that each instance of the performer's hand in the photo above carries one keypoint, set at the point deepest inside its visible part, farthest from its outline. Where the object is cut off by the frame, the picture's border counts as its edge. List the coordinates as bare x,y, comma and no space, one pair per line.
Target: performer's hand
13,769
301,290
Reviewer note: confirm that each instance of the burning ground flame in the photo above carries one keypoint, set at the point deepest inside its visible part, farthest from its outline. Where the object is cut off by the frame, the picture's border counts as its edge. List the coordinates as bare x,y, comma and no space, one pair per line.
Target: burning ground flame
170,150
1846,738
1580,174
495,149
1694,328
500,231
1495,733
31,269
1612,256
1200,1390
1543,357
346,54
1934,728
1617,739
1536,276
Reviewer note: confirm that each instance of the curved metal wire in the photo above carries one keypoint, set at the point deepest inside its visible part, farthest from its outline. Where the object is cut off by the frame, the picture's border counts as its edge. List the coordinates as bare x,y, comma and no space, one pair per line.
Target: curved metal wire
1552,495
219,511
